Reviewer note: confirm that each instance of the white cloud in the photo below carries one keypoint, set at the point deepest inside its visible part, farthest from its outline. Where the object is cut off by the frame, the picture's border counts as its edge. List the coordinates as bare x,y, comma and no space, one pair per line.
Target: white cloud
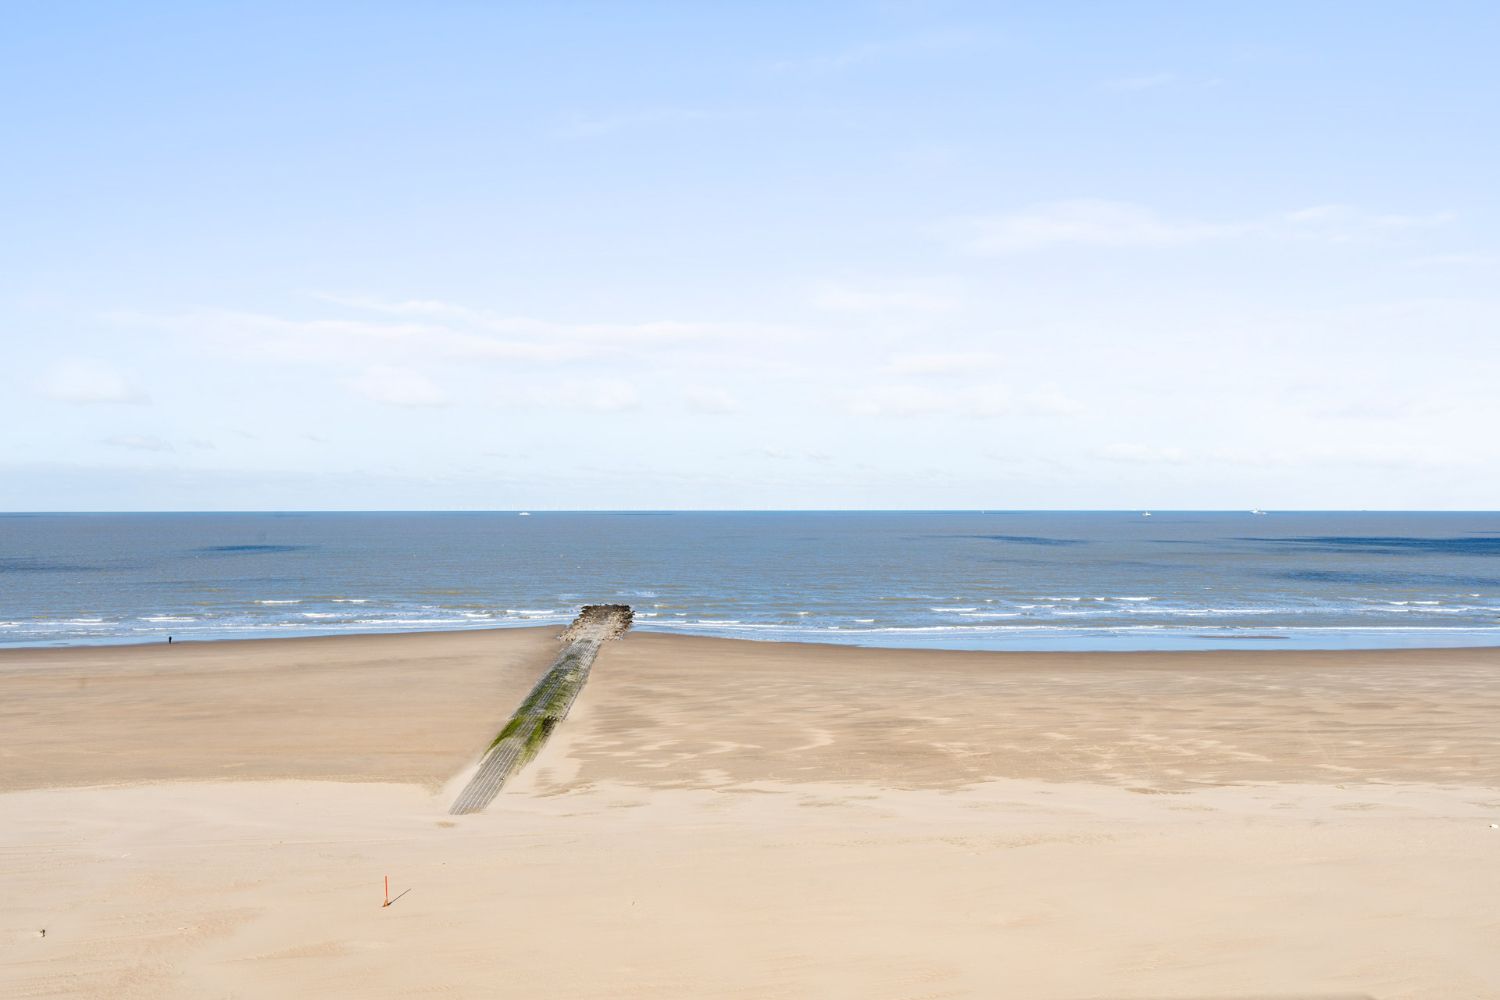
1089,222
910,296
952,363
1143,454
1456,260
707,399
789,455
989,400
427,331
90,382
397,387
1342,223
138,442
263,337
605,395
1294,455
538,331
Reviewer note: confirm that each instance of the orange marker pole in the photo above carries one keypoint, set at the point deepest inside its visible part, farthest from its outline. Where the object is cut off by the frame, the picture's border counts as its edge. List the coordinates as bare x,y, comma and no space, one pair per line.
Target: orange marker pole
387,892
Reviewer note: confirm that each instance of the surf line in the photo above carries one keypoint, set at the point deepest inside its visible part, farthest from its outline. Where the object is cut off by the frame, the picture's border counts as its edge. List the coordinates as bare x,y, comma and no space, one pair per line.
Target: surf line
523,737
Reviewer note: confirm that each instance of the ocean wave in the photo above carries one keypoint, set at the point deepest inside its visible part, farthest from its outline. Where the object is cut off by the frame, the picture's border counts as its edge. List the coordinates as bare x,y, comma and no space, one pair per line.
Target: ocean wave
1078,630
734,626
293,600
407,621
955,609
168,618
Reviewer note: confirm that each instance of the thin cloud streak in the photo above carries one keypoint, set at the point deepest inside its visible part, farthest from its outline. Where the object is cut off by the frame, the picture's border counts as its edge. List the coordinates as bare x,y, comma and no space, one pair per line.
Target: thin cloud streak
90,382
1103,224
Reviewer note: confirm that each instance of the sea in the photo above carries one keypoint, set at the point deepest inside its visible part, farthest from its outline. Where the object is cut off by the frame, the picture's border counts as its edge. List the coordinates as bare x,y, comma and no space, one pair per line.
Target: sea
1005,580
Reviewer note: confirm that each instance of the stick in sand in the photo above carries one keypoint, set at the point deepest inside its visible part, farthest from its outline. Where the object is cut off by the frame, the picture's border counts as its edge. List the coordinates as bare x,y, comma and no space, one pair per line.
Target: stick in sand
387,892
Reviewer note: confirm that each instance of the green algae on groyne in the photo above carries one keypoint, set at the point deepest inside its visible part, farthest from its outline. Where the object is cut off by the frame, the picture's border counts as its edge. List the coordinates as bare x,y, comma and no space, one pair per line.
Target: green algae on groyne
524,735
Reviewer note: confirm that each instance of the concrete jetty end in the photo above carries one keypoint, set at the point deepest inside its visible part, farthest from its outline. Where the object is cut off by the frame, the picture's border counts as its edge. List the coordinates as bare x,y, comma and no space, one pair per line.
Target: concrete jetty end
523,737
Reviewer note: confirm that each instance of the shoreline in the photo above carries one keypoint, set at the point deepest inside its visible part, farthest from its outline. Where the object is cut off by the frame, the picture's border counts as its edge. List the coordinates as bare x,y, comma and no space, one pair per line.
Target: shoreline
1085,647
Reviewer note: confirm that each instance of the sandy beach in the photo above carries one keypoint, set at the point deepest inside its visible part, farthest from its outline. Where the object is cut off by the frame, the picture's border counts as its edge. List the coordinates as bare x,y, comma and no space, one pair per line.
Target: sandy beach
720,818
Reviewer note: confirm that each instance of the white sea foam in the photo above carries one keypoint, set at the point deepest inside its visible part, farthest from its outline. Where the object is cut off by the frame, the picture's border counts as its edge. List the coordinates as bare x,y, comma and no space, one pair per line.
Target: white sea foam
407,621
980,629
351,600
321,614
735,626
167,618
955,609
290,601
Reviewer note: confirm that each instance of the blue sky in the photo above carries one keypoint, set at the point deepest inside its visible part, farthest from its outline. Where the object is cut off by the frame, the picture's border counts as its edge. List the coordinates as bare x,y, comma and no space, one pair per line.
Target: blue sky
705,255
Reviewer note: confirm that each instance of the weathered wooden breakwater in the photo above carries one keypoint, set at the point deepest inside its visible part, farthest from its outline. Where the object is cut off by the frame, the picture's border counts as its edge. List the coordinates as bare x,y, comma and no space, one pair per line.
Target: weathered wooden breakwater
523,737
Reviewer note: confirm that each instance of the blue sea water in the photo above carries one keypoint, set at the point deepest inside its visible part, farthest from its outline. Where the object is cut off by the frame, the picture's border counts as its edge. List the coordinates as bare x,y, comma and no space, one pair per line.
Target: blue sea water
971,580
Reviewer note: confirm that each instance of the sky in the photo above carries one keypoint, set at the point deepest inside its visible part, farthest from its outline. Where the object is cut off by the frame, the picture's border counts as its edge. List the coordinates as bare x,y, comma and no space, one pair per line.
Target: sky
888,255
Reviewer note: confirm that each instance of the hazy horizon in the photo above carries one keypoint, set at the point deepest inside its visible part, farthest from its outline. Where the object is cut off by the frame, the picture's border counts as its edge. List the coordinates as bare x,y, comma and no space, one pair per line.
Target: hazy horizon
764,510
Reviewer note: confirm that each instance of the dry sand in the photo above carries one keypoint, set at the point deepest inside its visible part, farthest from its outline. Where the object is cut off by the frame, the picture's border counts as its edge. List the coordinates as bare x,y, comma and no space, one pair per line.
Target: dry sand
734,819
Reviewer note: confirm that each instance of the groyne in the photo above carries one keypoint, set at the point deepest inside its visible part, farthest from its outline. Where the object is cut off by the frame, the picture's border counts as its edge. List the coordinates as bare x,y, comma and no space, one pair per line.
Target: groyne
524,735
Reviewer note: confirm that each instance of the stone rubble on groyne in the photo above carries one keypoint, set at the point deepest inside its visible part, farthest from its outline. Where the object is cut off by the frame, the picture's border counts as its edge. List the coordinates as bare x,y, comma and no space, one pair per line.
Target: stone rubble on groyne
524,735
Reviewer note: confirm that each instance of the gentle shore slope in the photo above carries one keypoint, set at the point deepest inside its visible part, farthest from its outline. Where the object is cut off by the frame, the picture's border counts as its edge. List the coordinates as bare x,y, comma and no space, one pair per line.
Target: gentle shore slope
726,818
687,711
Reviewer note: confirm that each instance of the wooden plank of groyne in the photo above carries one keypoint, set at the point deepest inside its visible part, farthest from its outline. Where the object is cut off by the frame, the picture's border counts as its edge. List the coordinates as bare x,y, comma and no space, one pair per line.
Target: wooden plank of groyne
523,737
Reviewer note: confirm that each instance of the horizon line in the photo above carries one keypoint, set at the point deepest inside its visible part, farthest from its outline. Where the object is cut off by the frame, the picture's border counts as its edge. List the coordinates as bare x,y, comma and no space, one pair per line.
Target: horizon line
765,510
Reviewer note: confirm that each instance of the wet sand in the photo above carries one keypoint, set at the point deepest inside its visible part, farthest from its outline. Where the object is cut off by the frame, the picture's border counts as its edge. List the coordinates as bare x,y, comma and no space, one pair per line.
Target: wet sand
721,818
